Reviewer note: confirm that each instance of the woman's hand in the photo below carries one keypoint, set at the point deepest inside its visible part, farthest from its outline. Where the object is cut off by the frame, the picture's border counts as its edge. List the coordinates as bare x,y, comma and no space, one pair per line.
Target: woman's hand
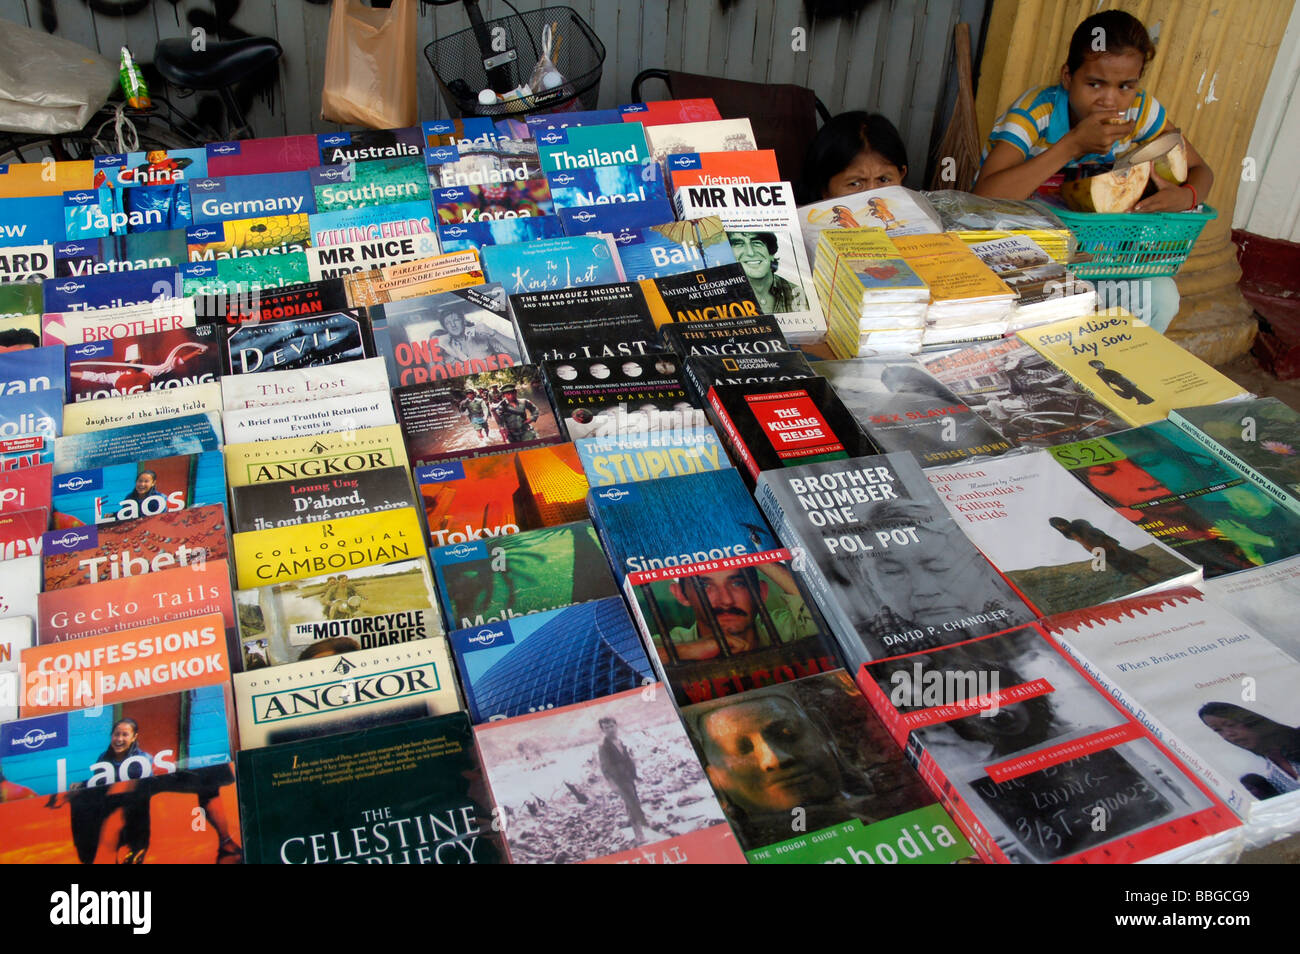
1171,199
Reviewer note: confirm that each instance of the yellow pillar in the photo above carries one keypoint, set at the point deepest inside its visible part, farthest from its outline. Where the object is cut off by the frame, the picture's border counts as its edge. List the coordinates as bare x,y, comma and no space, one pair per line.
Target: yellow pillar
1213,59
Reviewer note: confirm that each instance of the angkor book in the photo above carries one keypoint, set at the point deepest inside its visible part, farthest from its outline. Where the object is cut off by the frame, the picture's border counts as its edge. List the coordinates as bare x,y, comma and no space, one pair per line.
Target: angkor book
240,238
385,604
1264,597
733,336
1021,394
624,459
903,408
148,362
470,134
719,293
141,407
263,557
1025,752
144,488
596,321
345,690
1209,686
550,659
192,434
1180,493
324,455
611,780
476,414
718,630
1057,544
329,338
1259,439
286,503
888,566
485,497
529,572
427,805
310,383
636,395
111,551
678,521
76,327
704,371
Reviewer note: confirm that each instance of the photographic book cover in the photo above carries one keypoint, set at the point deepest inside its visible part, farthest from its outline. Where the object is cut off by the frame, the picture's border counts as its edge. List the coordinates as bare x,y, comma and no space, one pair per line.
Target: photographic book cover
373,182
293,343
621,459
154,362
145,488
627,396
241,238
121,253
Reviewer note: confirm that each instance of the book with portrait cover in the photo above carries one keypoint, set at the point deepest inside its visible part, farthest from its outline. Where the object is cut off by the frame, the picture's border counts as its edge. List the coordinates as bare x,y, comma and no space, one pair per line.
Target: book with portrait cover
1056,543
22,532
622,459
121,253
476,414
380,605
678,521
335,261
785,424
366,144
286,503
243,238
597,321
722,628
1021,394
1260,439
263,557
485,497
303,385
399,220
1023,748
324,455
486,581
109,551
428,804
160,361
548,264
140,407
902,408
433,337
373,182
26,263
734,336
1186,497
345,690
859,800
550,659
887,564
328,338
192,434
144,488
704,371
146,766
626,396
609,781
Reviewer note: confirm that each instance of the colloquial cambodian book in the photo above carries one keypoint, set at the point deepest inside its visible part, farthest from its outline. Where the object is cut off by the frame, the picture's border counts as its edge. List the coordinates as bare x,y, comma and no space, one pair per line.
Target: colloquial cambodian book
160,361
1183,495
144,488
485,497
489,580
287,503
413,279
621,459
549,659
609,780
630,396
384,604
345,690
727,627
324,455
1025,751
890,569
426,805
1068,550
192,434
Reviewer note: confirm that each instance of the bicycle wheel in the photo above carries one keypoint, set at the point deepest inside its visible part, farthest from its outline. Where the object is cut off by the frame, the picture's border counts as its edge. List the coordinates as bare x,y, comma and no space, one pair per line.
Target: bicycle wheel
20,148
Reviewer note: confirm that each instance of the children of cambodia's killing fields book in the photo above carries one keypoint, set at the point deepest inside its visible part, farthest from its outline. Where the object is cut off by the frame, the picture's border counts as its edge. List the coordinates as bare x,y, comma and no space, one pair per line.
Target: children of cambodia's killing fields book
160,361
379,605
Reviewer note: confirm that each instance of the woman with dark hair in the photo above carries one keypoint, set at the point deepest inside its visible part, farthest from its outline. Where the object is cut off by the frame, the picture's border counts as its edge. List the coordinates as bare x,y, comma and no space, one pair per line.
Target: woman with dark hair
1277,744
853,152
107,818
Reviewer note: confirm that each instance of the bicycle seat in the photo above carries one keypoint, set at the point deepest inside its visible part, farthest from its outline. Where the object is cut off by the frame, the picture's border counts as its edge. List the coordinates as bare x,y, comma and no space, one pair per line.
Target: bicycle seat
217,66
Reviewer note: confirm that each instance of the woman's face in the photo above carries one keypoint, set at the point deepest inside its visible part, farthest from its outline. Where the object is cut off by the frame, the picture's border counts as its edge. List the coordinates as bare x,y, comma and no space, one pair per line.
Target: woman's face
122,739
868,170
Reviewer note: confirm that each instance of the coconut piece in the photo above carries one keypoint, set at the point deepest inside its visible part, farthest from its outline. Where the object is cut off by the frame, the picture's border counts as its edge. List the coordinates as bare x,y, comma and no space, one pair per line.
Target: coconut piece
1115,191
1167,155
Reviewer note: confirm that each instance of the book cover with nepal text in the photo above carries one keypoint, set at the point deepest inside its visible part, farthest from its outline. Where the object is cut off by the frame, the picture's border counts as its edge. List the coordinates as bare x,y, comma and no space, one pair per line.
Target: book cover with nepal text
476,414
233,276
415,794
127,170
553,263
625,459
1179,492
385,604
374,182
112,290
486,581
264,155
628,396
485,497
460,236
237,238
1068,550
346,690
550,659
287,503
191,434
903,408
607,185
398,220
324,455
121,253
263,557
608,781
718,630
145,488
135,364
22,531
25,263
178,761
675,521
110,551
890,568
295,343
1023,747
1131,368
615,218
503,200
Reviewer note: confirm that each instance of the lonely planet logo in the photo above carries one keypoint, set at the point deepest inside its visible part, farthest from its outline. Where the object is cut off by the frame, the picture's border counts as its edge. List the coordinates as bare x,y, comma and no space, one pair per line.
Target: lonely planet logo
338,139
224,148
455,231
486,637
583,217
81,198
35,738
76,483
441,473
614,493
71,539
333,172
73,249
69,287
205,185
461,550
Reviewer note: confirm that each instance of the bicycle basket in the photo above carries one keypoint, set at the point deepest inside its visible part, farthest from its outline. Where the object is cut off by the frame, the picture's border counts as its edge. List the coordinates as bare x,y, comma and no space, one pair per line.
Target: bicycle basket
1134,244
457,62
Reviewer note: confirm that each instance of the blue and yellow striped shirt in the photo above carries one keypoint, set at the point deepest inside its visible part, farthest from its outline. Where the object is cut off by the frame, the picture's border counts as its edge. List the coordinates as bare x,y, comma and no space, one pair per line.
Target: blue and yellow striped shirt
1040,117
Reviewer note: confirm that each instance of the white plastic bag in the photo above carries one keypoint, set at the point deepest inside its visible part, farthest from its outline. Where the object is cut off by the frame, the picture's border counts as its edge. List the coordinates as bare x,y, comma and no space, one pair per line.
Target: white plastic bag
49,84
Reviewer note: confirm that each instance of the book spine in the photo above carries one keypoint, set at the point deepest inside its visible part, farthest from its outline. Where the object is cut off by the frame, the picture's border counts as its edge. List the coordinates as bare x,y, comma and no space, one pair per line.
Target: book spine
647,638
953,803
732,436
1276,492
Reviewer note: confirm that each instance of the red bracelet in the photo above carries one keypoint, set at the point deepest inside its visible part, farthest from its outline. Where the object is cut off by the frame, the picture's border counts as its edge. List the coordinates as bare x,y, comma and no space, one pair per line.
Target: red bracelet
1195,202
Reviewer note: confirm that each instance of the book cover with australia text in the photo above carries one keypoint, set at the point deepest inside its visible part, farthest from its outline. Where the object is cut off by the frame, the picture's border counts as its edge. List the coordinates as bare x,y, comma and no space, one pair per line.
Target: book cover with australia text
415,795
611,780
